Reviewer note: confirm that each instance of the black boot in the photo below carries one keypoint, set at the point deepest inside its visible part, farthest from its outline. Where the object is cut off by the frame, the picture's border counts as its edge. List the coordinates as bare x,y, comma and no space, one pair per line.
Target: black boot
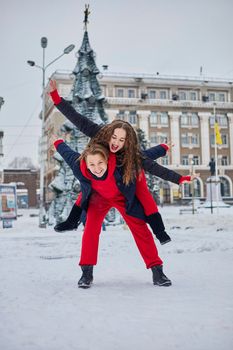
159,279
156,223
87,276
71,222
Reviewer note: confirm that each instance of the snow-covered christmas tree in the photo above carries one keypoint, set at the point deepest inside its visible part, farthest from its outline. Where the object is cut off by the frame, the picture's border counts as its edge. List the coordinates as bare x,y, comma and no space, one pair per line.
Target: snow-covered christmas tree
88,100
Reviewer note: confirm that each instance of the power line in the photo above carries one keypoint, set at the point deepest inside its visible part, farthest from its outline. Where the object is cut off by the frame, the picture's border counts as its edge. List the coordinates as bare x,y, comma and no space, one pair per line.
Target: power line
20,134
17,86
11,135
20,126
20,144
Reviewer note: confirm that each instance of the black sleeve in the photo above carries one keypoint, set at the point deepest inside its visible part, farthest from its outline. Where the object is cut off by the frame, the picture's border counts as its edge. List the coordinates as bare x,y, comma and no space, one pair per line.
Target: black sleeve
85,125
68,155
155,152
158,170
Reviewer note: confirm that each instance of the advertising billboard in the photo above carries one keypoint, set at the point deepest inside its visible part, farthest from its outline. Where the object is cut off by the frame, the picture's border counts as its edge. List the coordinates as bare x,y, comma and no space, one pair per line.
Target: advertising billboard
8,202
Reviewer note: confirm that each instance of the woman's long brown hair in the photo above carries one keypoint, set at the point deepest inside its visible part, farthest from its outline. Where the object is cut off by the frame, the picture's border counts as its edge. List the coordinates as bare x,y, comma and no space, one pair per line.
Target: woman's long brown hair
129,157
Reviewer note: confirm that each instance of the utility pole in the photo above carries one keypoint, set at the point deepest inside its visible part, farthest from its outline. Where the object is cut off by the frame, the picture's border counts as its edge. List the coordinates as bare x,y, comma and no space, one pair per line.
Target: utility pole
67,50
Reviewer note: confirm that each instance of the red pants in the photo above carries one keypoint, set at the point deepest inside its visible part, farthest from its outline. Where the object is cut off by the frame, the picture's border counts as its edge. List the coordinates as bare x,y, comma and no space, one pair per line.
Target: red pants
97,210
144,196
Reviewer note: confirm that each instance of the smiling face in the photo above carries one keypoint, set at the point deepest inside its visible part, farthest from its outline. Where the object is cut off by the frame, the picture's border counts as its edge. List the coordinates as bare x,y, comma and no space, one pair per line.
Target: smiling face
117,140
97,164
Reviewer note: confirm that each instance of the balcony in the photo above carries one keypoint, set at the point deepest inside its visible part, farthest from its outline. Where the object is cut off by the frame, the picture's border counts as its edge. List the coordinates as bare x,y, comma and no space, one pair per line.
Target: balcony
168,103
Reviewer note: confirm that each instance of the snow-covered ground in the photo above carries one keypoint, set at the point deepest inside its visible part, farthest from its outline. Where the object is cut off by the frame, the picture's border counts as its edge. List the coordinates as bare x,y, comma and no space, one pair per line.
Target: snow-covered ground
41,307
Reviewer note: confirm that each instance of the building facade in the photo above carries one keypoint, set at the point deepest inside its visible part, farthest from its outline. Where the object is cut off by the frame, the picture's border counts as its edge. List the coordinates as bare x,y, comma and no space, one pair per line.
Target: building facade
1,156
181,110
27,183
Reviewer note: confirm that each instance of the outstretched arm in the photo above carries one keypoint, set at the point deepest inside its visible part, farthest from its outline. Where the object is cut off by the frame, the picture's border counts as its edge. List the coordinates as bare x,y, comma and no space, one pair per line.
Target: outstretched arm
164,173
156,151
67,153
85,125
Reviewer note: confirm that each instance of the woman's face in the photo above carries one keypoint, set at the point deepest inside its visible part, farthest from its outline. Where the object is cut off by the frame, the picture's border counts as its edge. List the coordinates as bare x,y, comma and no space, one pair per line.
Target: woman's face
97,164
117,140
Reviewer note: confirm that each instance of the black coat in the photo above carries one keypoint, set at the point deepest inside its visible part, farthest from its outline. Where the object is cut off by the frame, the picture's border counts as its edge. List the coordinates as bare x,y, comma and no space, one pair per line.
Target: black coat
90,129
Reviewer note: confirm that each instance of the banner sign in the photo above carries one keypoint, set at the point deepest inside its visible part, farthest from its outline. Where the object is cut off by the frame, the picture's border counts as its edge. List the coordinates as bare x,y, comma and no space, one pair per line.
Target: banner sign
8,202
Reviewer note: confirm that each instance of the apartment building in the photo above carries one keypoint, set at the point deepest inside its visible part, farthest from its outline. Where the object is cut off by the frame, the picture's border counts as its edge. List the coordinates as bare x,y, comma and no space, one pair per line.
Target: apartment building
167,108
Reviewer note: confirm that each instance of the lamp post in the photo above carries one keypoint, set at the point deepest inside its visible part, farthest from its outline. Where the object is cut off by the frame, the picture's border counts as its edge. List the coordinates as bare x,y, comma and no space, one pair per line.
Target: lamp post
1,101
192,186
67,50
1,147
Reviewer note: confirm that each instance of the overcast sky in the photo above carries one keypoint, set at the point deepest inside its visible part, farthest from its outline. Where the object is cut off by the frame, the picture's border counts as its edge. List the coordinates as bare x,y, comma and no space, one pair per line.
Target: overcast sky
146,36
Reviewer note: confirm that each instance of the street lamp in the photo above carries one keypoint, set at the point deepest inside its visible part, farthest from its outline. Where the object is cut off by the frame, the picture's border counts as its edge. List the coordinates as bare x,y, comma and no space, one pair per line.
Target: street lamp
1,147
67,50
192,186
1,101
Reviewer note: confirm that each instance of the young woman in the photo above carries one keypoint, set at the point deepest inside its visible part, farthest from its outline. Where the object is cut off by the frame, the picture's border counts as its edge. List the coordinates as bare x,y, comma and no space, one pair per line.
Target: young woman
121,139
102,188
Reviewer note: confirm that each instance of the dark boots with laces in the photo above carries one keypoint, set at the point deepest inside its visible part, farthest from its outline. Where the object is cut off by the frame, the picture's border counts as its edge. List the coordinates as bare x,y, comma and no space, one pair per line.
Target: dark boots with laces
71,222
87,276
156,223
159,278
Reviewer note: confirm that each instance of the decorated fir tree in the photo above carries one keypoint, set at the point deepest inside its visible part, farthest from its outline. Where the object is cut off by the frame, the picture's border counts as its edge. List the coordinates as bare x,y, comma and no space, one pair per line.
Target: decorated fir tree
88,100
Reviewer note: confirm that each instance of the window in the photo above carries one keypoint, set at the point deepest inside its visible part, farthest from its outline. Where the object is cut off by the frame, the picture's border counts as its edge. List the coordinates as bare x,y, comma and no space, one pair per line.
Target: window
194,139
182,95
217,96
184,120
211,97
164,118
157,118
224,139
121,115
196,160
221,97
184,139
133,117
225,187
187,190
189,119
163,94
152,94
120,92
153,119
153,138
221,120
164,160
157,138
223,136
185,160
224,160
196,188
189,140
194,119
212,121
163,138
131,93
193,96
212,139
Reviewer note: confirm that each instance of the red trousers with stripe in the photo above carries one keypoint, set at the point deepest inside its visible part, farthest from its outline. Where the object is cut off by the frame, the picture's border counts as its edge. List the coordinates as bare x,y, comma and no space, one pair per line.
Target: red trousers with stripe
97,210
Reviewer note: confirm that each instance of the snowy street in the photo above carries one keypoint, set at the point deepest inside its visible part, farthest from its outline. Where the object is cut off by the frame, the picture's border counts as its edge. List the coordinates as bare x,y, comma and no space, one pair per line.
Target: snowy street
41,307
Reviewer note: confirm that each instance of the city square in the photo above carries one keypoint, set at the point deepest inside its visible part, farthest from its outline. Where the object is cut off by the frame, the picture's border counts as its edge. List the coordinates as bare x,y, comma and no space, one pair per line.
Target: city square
125,106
